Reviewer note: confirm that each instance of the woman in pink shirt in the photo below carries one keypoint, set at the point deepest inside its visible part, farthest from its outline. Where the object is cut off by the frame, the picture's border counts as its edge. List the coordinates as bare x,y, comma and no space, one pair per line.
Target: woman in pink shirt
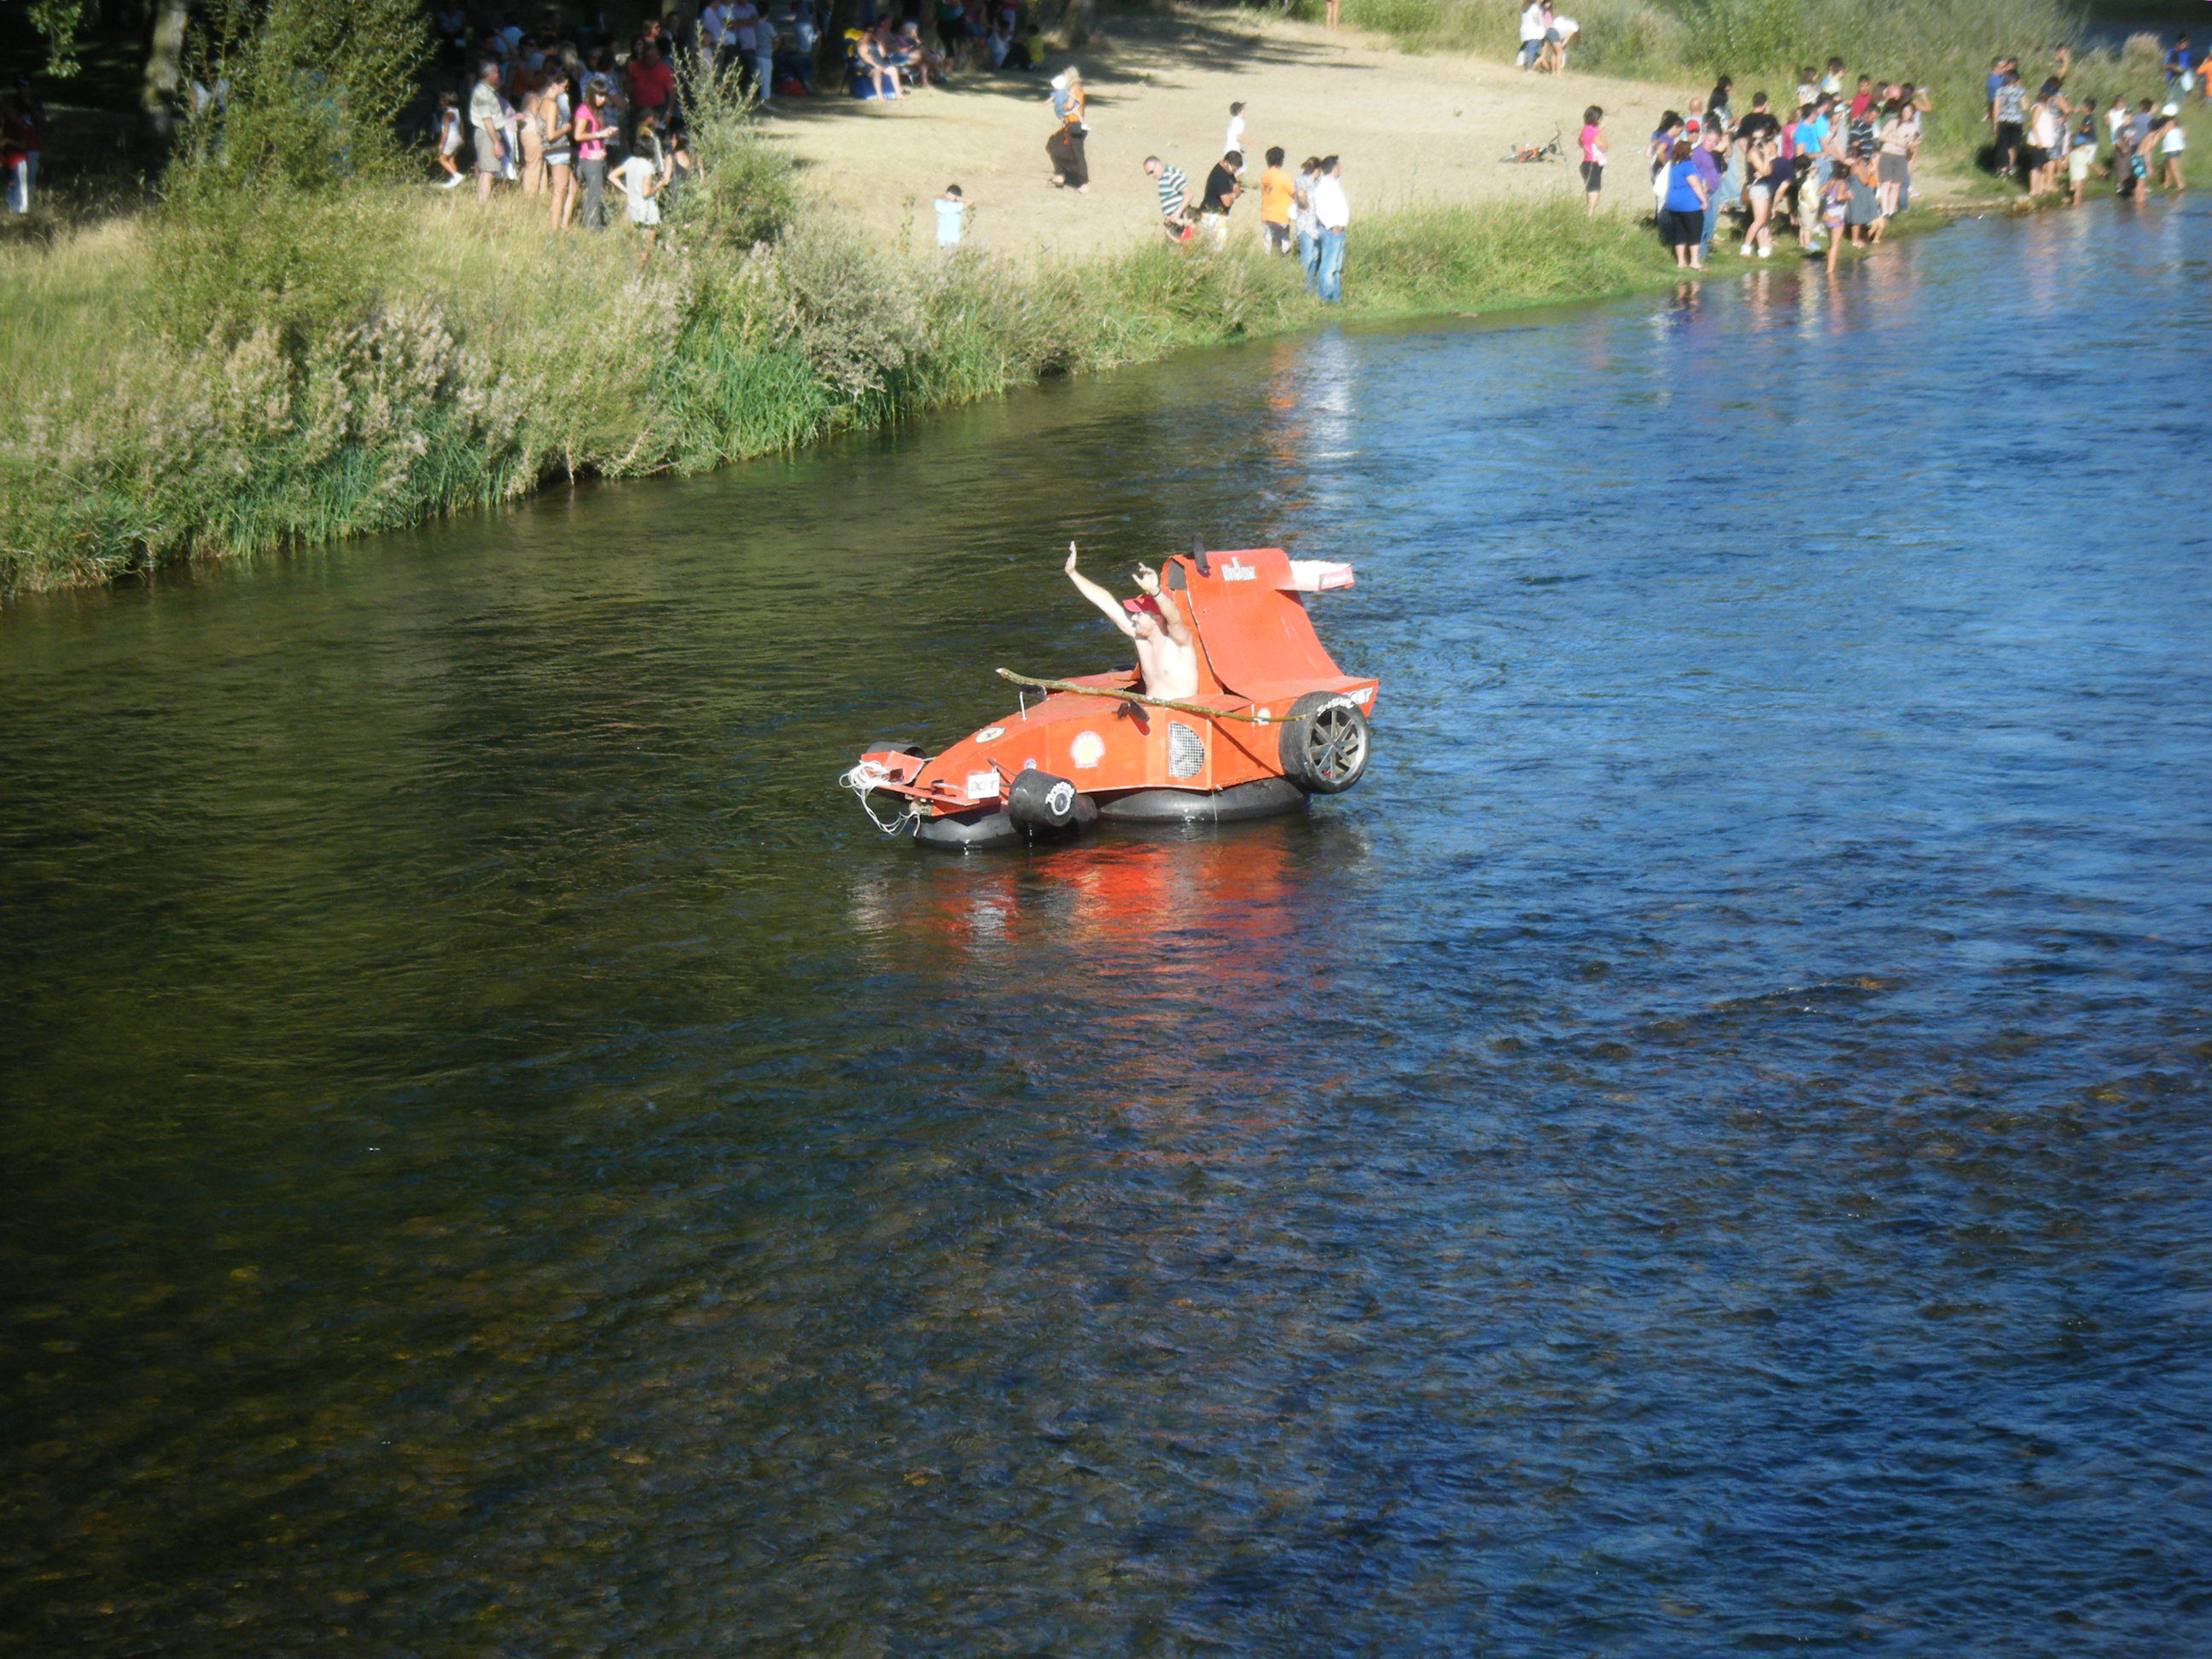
591,128
1592,141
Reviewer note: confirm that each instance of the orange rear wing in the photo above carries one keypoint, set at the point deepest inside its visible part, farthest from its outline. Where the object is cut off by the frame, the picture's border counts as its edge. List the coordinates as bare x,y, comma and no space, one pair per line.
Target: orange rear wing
1252,627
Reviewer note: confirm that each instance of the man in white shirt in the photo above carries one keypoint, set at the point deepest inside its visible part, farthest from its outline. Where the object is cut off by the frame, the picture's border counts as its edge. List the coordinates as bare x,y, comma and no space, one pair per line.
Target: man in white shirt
743,29
1334,214
1532,33
714,28
487,121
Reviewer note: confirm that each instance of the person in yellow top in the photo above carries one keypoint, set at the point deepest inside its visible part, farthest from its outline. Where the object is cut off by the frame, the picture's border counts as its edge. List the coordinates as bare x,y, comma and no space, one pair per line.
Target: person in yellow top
1276,193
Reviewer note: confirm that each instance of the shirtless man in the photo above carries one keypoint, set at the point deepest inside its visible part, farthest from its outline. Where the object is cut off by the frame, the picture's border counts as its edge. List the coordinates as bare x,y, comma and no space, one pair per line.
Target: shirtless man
1166,655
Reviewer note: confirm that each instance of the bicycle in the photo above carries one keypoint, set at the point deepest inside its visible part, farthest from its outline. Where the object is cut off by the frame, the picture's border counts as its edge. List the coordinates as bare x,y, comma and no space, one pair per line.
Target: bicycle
1527,153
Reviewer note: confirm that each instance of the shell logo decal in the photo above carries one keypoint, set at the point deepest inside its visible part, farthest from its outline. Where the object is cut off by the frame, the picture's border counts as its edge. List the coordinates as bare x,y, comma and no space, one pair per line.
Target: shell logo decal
1087,750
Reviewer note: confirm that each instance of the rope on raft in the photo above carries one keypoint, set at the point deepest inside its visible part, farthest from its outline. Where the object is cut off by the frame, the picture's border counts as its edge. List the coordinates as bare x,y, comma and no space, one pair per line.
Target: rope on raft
1132,696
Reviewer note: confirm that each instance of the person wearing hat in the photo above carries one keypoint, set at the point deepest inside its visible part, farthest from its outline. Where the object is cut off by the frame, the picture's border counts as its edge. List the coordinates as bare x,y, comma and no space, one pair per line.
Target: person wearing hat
2172,145
1167,655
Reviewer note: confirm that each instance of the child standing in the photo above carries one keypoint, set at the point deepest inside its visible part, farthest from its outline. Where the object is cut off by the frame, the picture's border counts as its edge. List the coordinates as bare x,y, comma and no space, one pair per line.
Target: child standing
449,139
2080,157
1836,207
640,180
2172,145
1236,131
952,211
1593,143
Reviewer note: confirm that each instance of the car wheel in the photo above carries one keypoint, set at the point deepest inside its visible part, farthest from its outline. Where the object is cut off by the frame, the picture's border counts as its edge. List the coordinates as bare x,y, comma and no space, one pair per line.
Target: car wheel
1324,744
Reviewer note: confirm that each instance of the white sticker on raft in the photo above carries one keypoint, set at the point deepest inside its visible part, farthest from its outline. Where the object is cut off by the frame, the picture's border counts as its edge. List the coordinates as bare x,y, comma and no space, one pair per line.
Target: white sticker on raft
981,785
1087,750
1236,572
989,732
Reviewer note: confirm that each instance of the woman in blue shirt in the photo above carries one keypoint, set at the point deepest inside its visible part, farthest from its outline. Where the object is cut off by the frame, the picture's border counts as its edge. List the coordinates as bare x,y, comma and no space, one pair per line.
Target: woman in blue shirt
1682,210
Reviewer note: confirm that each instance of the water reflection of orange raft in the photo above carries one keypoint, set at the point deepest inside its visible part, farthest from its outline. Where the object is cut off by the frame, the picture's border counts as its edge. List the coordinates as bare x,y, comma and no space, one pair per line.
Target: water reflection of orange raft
1273,722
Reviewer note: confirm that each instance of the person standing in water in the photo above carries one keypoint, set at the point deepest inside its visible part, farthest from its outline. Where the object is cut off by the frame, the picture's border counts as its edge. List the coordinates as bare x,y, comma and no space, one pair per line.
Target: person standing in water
1167,655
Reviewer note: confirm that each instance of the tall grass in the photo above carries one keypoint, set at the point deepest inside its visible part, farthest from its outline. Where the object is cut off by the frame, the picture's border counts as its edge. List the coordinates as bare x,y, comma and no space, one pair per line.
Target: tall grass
501,357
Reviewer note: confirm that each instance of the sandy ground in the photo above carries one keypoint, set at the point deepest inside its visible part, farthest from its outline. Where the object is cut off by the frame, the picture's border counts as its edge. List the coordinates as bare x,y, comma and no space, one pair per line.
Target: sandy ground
1408,128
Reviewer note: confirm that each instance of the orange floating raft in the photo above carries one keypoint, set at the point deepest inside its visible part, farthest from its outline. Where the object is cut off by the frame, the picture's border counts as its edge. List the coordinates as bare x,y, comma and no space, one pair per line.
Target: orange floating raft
1273,722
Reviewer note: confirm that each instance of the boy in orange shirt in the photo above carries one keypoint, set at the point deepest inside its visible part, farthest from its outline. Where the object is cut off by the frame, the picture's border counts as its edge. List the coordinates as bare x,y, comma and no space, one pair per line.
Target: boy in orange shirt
1276,190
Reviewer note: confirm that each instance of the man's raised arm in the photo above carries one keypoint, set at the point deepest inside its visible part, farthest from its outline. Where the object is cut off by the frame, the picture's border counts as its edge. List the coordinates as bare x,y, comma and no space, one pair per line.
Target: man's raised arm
1097,595
1170,613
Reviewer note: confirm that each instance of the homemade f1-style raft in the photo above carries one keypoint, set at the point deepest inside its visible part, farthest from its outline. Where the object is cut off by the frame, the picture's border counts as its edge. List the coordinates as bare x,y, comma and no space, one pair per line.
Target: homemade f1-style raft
1274,722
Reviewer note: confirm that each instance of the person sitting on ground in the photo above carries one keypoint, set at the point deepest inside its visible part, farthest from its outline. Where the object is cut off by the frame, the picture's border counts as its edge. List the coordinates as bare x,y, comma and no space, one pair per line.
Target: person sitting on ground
872,68
1175,197
1167,655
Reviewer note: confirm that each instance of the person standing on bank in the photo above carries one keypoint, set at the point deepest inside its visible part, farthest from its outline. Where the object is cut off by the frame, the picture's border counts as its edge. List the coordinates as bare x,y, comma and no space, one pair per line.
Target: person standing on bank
486,118
1071,168
1533,29
1302,220
1593,144
1277,194
1334,214
591,130
1222,190
1682,208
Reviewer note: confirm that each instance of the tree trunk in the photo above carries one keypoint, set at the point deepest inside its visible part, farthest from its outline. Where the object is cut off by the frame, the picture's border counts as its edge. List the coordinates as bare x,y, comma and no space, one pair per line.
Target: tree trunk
165,59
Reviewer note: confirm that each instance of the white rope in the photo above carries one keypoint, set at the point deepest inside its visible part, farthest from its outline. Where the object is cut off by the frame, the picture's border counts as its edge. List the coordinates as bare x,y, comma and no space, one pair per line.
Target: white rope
862,781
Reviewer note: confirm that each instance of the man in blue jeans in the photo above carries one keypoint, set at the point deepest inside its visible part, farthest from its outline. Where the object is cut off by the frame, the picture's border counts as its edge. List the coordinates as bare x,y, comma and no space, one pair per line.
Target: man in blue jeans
1334,214
1712,162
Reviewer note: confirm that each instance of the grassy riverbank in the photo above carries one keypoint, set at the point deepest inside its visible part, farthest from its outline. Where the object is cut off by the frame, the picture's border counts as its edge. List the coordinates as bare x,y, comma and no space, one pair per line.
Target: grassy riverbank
452,359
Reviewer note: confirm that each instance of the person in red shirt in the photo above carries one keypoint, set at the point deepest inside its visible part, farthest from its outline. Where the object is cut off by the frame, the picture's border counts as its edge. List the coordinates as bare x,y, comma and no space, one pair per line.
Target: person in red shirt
651,80
1863,99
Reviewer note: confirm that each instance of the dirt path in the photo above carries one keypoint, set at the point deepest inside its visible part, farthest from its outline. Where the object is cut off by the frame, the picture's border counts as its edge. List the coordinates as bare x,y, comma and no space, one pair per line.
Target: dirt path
1427,128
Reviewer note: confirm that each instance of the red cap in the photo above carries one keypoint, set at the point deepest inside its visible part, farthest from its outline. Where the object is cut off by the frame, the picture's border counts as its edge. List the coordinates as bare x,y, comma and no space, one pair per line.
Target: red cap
1143,603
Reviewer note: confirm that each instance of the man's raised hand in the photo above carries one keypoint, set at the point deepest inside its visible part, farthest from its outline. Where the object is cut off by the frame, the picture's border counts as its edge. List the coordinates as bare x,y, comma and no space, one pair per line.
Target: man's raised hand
1148,580
1070,565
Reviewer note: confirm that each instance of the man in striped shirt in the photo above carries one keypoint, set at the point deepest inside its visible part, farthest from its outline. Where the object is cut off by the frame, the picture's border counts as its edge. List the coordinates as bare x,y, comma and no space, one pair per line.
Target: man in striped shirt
1175,197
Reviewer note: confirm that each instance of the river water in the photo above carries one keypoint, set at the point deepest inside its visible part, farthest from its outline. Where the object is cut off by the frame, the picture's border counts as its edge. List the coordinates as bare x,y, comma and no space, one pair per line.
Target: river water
1705,1151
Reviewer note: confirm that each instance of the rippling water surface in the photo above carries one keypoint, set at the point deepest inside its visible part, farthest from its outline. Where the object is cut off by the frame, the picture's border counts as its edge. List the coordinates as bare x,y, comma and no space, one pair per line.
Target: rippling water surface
1705,1151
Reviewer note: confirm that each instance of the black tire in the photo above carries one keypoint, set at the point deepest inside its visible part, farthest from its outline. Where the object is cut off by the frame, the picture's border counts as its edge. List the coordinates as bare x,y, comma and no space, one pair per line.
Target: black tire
1324,744
1041,803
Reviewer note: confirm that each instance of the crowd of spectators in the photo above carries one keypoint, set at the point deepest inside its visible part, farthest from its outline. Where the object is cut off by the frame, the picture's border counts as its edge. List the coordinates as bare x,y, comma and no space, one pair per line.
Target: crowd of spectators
2053,142
1305,214
1838,167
